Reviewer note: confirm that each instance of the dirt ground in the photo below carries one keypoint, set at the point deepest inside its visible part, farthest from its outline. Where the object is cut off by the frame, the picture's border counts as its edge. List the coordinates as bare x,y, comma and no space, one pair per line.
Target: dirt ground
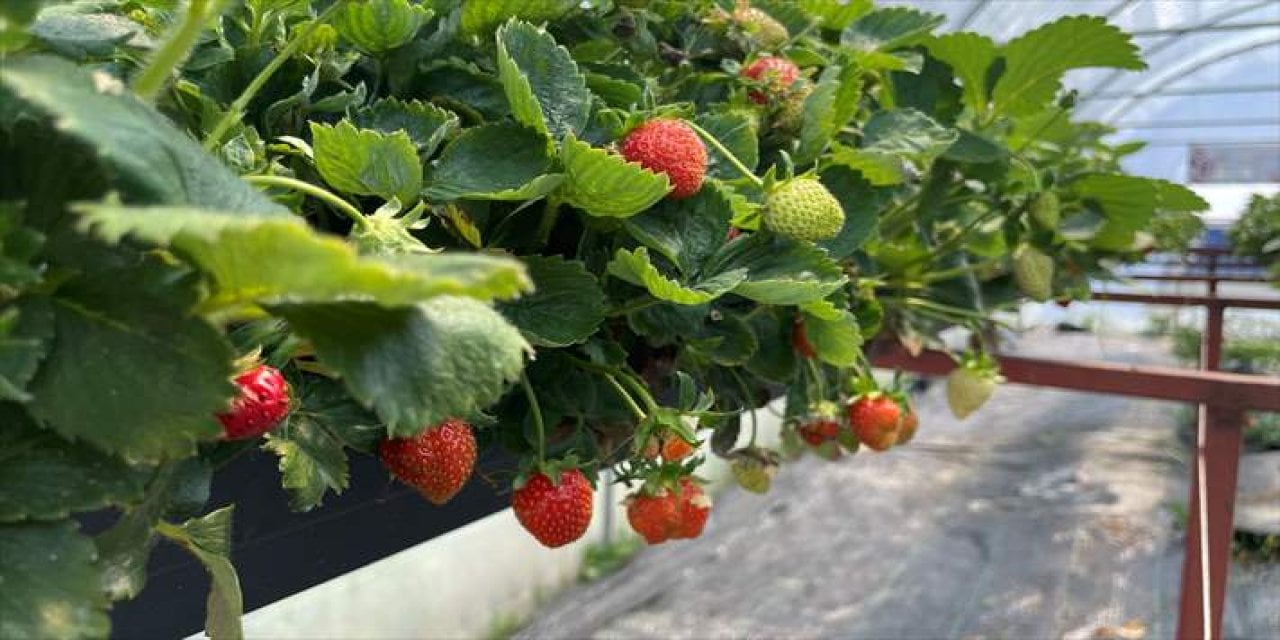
1048,514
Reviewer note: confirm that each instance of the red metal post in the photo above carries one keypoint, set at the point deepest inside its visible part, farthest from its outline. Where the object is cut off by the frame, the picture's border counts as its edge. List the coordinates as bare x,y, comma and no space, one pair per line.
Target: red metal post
1221,434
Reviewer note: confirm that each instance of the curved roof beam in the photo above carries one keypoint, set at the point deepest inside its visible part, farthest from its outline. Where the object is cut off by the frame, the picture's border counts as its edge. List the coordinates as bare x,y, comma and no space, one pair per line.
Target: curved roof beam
972,14
1173,38
1177,73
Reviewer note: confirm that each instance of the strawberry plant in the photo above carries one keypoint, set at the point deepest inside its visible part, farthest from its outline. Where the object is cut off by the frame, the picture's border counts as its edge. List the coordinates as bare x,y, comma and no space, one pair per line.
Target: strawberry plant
577,226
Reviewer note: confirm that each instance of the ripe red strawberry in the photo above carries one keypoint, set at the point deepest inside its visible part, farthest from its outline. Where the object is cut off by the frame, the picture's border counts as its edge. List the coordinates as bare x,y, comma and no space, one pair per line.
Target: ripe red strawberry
694,507
800,339
262,404
670,147
910,422
654,516
776,74
436,462
556,514
876,419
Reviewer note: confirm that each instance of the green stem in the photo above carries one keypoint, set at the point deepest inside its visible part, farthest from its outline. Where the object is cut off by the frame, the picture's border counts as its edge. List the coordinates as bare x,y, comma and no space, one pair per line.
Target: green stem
537,416
817,378
328,197
947,274
236,110
172,532
153,77
548,222
733,160
626,397
746,397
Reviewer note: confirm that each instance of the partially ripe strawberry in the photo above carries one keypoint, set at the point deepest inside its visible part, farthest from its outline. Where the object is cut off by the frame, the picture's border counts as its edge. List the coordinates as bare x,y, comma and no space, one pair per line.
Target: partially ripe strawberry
671,446
669,147
436,462
910,422
776,74
694,507
819,430
556,514
263,402
802,208
654,516
875,419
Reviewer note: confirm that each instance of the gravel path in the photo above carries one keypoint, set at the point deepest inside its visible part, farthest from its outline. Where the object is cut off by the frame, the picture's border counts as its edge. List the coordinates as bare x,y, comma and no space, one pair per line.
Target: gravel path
1046,515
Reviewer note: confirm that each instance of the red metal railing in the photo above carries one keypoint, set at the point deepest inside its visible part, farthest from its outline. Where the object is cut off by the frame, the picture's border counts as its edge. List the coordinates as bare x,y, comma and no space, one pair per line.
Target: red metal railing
1223,399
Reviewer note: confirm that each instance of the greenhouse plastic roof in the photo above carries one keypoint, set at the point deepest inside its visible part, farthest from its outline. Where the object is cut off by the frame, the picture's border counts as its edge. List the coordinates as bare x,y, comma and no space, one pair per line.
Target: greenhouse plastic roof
1213,76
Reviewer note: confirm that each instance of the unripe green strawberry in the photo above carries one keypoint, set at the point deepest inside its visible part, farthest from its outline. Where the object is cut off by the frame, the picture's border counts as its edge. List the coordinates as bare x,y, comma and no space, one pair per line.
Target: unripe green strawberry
669,147
763,29
803,209
1045,210
1033,271
968,389
789,117
753,475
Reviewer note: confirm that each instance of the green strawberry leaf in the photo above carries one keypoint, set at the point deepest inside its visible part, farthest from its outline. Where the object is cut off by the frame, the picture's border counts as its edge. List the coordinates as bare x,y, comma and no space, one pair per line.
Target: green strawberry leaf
417,365
267,259
367,162
778,270
861,203
737,132
541,80
974,148
54,478
312,444
208,538
566,307
51,586
1036,61
153,160
493,162
890,28
75,32
478,18
880,168
378,26
1129,202
837,342
25,330
128,370
177,489
687,231
909,134
970,56
828,108
605,185
727,341
636,268
426,124
836,14
775,359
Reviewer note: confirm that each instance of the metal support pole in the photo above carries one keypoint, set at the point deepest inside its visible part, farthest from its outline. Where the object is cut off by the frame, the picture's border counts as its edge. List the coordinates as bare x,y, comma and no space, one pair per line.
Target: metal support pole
1221,434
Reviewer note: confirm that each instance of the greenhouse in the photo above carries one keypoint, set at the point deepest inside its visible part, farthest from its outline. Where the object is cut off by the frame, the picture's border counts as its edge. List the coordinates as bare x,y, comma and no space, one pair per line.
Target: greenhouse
872,319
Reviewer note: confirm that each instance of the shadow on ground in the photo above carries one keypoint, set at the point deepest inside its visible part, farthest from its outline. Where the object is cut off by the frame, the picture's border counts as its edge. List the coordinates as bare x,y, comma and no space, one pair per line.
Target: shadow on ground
1045,515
